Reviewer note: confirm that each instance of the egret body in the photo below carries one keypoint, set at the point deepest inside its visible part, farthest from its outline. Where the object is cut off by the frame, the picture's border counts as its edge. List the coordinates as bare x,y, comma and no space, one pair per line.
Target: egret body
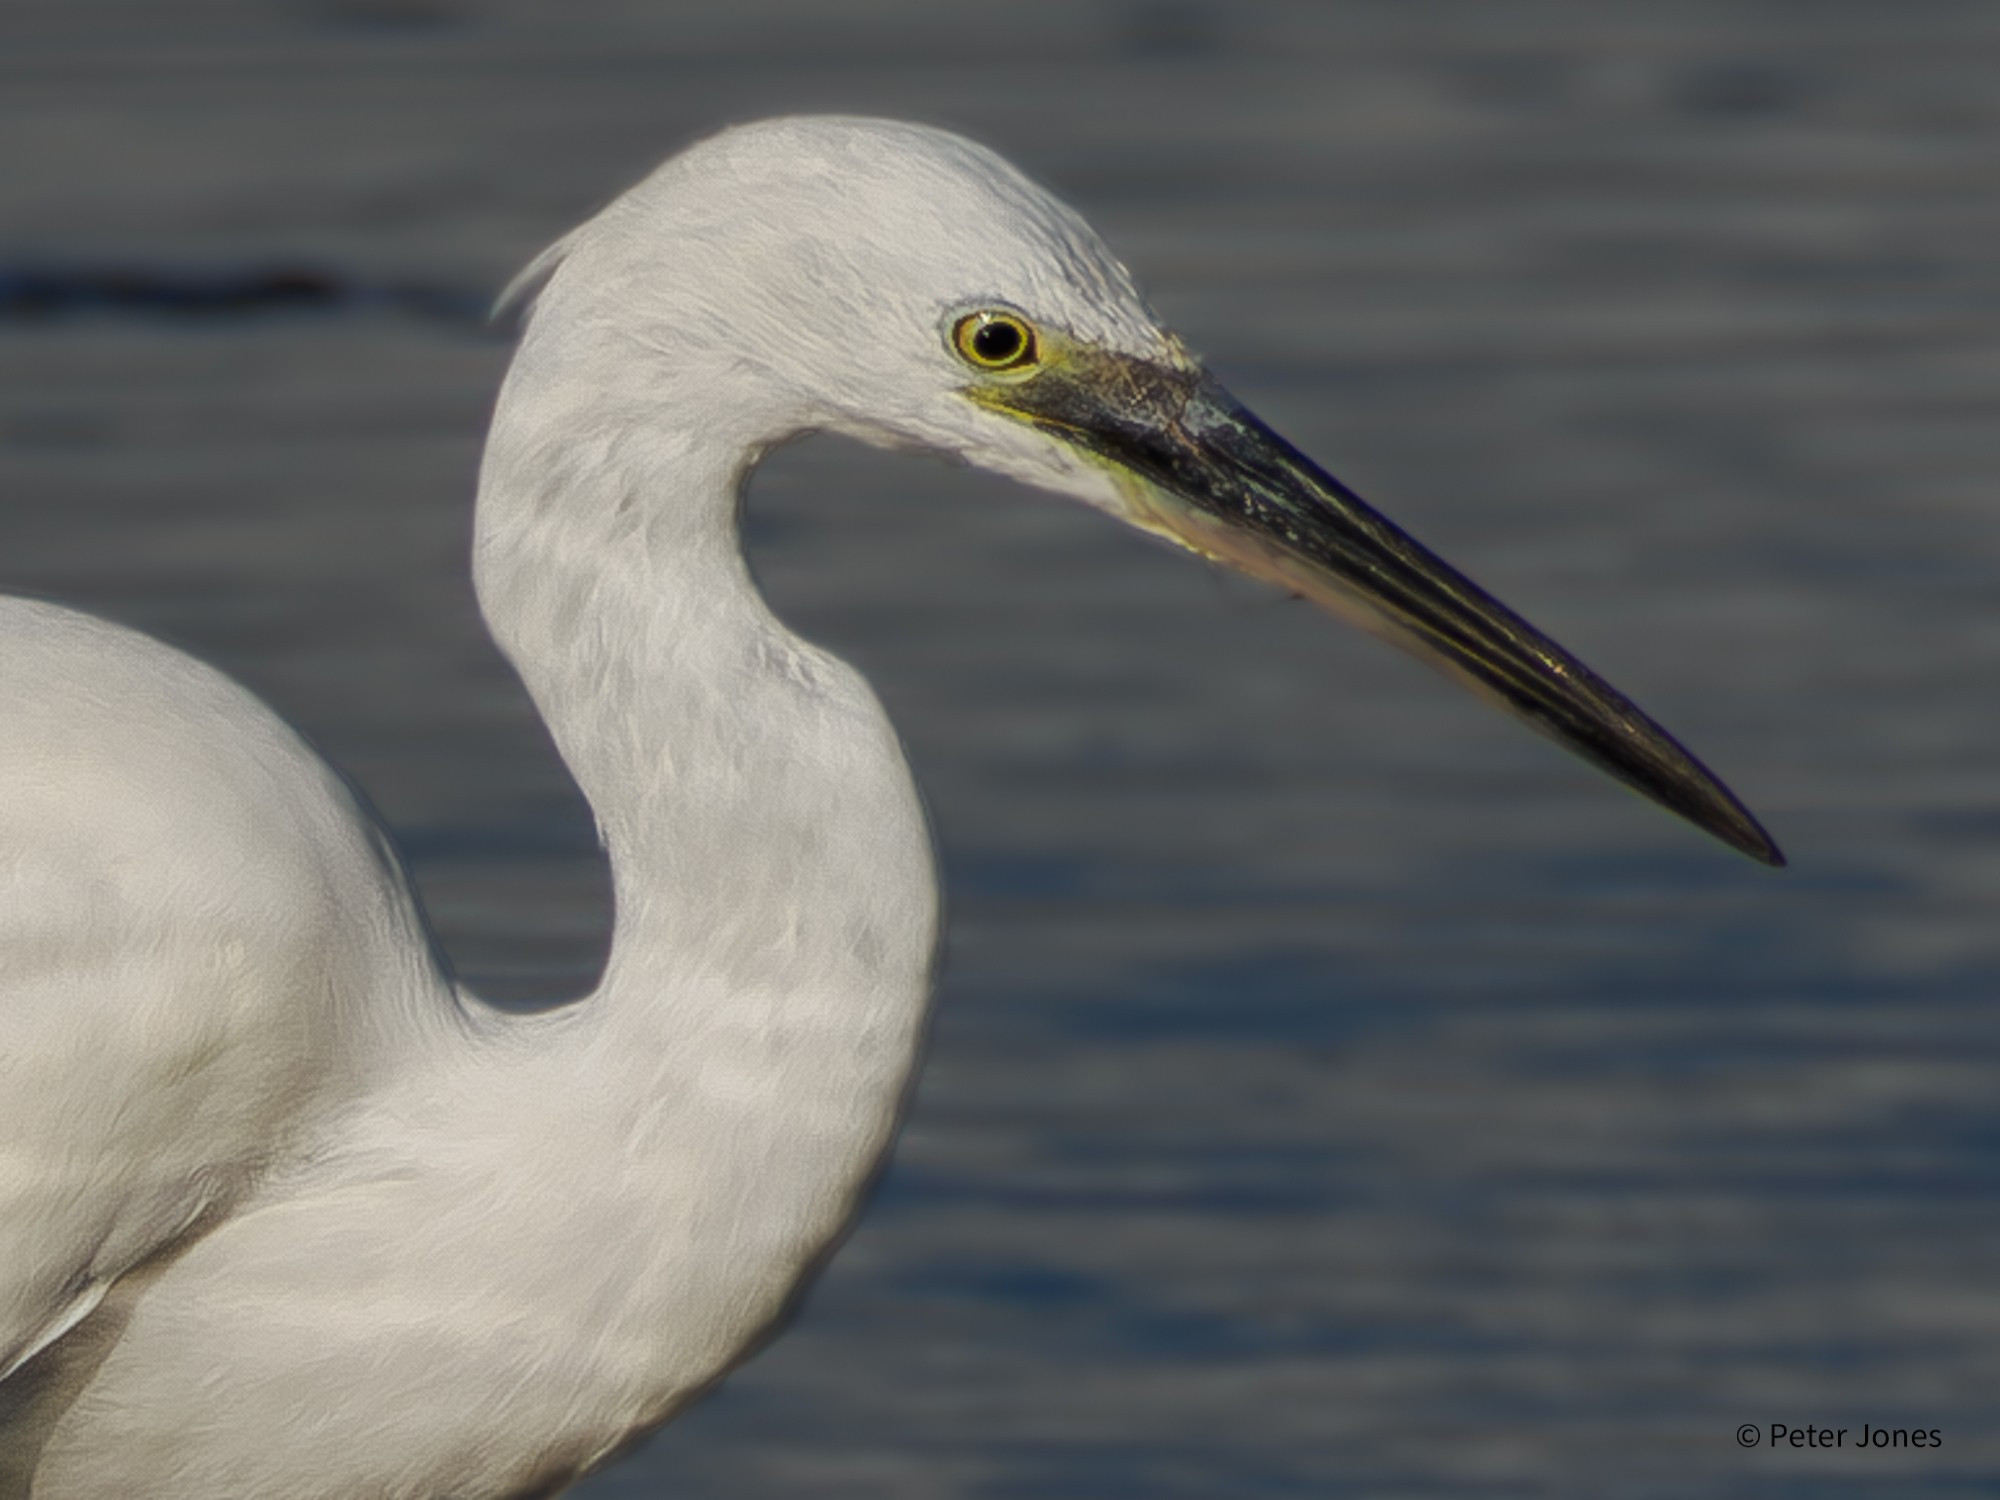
286,1212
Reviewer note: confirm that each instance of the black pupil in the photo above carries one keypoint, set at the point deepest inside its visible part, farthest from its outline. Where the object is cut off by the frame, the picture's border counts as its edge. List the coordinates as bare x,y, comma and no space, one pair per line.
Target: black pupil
997,343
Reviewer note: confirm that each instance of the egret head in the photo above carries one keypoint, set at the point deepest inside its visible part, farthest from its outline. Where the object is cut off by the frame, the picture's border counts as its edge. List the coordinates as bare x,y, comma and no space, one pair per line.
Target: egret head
910,288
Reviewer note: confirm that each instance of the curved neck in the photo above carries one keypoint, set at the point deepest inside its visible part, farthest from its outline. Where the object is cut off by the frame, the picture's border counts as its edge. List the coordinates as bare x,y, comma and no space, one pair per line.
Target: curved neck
763,831
727,1092
776,914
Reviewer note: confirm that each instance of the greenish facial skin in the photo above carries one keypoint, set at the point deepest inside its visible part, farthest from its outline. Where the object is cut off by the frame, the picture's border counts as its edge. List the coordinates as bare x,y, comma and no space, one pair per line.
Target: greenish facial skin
1198,468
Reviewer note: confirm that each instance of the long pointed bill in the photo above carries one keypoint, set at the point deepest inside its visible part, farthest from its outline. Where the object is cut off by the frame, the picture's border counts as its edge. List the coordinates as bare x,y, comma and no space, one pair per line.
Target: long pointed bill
1198,468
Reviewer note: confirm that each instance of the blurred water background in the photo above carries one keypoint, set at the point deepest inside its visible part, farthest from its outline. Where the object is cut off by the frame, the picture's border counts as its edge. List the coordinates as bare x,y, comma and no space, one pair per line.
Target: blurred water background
1335,1091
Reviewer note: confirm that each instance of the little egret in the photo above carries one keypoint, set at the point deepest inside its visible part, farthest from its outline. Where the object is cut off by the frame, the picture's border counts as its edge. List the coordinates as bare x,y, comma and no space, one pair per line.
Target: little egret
286,1213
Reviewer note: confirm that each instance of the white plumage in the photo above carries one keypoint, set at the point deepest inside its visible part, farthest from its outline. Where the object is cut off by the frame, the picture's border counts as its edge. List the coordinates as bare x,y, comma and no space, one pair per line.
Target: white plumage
282,1213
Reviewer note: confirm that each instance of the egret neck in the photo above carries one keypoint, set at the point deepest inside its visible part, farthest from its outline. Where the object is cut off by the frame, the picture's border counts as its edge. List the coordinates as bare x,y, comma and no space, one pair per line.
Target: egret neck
776,915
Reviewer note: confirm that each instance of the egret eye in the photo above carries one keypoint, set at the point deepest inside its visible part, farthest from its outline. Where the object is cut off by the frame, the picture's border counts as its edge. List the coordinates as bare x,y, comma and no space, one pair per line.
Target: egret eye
994,341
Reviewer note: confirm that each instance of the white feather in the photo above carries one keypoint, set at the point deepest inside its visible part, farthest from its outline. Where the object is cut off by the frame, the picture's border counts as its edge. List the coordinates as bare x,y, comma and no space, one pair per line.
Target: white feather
364,1236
